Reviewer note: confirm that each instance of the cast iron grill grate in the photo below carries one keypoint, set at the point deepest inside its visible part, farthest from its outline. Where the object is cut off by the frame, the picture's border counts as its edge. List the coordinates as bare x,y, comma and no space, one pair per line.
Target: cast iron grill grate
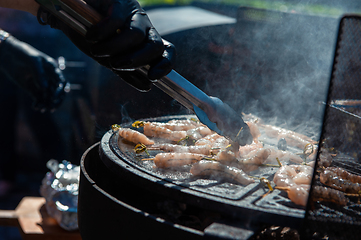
234,200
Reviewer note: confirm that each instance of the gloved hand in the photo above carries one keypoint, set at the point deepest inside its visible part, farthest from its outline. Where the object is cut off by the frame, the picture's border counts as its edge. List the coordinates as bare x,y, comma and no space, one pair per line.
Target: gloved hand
34,71
125,39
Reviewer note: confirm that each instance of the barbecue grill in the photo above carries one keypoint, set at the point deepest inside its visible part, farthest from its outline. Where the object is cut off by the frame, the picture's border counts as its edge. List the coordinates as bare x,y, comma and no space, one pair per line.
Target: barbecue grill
122,195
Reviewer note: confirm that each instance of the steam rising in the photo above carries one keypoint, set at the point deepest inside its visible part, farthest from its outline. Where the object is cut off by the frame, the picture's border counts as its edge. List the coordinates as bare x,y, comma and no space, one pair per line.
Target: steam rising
272,64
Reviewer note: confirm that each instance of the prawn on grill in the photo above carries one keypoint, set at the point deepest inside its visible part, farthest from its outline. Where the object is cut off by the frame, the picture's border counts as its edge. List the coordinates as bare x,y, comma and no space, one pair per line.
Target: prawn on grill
254,131
325,194
296,180
324,159
274,131
210,140
173,125
293,138
284,156
290,175
186,124
214,141
134,136
212,148
169,147
225,156
246,149
253,161
298,194
199,132
169,160
217,170
152,129
341,179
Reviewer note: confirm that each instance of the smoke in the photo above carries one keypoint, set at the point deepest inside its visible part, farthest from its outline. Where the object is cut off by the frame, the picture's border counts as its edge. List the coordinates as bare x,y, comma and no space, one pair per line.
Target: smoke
101,128
273,64
124,113
270,63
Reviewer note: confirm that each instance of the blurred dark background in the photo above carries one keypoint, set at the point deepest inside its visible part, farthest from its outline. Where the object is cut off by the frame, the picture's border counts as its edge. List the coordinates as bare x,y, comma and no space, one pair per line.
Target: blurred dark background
274,61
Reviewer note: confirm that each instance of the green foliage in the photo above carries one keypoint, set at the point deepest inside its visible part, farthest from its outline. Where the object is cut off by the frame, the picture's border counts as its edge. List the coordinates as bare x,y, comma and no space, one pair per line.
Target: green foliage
262,4
169,2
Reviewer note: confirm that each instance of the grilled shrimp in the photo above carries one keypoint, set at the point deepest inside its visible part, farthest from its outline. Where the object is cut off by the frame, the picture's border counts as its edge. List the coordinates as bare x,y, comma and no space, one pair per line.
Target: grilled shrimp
273,131
325,159
184,123
168,160
341,179
177,125
293,138
284,156
216,169
291,175
220,143
152,129
198,132
208,140
214,141
246,149
168,147
297,193
254,131
325,194
253,162
134,136
225,156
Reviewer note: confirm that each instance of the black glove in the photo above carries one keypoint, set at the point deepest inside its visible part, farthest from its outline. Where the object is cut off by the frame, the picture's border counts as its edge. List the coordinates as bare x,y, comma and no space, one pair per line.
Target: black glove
33,71
125,39
139,80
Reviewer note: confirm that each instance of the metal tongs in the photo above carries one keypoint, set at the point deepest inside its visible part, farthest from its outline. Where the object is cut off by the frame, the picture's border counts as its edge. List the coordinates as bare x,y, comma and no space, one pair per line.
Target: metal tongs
211,111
